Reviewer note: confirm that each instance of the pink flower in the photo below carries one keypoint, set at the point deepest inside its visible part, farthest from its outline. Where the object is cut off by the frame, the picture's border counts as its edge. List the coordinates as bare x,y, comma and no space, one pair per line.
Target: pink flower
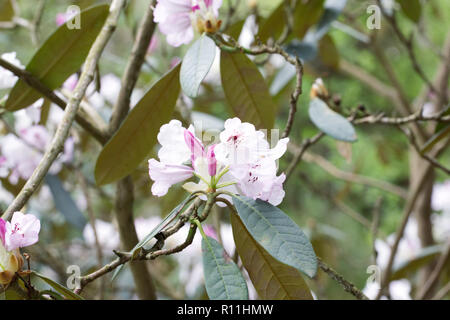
21,155
22,231
178,18
253,175
210,231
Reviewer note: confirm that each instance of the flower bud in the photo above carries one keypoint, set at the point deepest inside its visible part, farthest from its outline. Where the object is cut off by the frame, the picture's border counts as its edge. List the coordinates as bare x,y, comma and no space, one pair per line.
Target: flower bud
10,263
318,89
212,162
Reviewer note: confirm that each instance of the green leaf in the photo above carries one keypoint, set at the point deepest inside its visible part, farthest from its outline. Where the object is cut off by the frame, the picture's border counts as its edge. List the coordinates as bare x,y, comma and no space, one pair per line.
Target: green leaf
68,294
331,122
444,132
136,138
306,51
306,13
167,220
328,52
277,234
272,279
65,203
333,9
60,56
246,91
425,256
223,279
196,64
6,10
235,29
411,8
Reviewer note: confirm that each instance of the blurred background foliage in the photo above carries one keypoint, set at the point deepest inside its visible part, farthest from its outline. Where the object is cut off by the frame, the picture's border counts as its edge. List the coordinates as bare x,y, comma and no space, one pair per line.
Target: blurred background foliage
316,200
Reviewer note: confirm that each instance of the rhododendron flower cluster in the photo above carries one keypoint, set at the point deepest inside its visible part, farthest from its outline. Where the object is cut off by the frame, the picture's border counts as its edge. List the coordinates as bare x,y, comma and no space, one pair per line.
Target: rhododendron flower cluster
179,18
22,231
241,163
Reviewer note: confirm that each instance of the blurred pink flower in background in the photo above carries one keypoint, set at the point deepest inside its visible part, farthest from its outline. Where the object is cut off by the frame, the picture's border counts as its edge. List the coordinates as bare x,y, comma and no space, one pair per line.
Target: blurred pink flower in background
178,19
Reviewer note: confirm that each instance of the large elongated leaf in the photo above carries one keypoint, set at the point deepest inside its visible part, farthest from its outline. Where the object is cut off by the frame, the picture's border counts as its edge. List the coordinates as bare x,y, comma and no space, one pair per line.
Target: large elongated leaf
6,10
277,234
167,220
425,256
136,137
68,294
65,203
196,64
246,90
330,122
223,279
272,279
61,55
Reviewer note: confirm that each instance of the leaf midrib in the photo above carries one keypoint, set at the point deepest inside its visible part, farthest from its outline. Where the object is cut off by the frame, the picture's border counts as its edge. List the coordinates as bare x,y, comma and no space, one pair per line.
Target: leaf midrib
270,225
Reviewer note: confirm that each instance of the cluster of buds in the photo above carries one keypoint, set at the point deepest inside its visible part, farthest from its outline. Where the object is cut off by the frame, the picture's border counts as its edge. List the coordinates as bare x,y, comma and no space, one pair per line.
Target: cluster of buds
22,231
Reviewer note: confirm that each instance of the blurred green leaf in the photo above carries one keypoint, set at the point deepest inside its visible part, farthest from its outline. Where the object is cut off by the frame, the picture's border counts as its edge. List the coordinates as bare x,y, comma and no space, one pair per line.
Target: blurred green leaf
167,220
223,279
136,137
6,10
246,91
333,9
235,29
277,234
306,13
68,294
60,56
443,133
272,279
196,64
330,122
65,203
306,51
425,256
411,8
328,52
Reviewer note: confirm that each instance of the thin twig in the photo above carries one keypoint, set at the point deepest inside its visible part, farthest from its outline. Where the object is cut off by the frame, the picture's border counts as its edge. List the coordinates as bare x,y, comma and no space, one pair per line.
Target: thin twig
347,285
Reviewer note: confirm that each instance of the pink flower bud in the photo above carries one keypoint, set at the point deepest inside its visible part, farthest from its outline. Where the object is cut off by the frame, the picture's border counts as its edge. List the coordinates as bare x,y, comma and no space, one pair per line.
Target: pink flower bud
212,162
2,230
